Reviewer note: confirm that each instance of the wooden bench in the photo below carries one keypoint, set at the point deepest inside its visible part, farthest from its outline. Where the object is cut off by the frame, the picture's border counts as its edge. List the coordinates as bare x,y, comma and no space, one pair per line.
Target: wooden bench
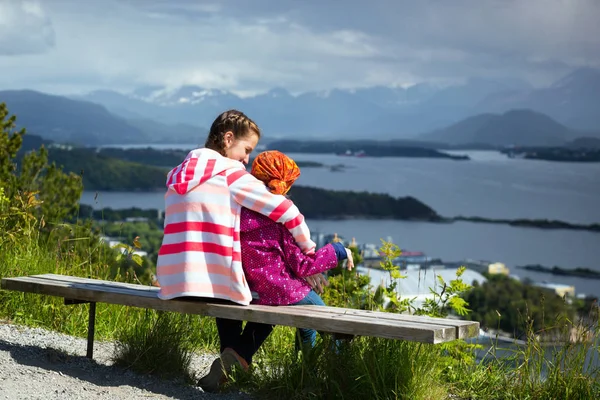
76,290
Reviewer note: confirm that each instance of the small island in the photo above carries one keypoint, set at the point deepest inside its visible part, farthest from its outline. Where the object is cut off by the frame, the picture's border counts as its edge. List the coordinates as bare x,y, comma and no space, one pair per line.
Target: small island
529,223
562,154
578,272
361,148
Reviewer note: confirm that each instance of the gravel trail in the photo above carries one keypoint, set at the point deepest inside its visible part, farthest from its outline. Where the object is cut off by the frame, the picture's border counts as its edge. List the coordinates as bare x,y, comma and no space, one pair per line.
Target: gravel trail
40,364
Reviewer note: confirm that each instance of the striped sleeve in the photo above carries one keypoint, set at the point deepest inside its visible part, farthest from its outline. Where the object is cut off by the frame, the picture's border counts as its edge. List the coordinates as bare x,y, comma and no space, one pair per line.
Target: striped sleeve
251,193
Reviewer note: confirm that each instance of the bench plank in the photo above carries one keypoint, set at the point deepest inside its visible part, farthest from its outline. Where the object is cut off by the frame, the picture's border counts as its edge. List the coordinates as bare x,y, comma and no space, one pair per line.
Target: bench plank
332,319
98,282
464,329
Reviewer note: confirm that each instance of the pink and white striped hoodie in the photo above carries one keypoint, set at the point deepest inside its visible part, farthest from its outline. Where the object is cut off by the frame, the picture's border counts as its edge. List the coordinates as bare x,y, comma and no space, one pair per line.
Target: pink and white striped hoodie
200,254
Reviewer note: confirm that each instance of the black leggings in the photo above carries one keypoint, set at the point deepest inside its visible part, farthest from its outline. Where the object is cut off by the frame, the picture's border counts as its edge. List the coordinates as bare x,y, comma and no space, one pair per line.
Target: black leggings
245,341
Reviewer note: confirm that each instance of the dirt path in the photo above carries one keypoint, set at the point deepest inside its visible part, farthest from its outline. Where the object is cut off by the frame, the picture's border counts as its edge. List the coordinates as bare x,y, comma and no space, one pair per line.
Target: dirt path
40,364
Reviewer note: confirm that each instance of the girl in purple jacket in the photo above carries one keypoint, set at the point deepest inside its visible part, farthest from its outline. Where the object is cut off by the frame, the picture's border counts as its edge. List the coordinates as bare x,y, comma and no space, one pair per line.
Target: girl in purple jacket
274,265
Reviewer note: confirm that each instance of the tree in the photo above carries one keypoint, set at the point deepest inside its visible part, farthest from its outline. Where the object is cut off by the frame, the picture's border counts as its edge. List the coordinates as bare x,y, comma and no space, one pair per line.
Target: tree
58,192
11,140
515,307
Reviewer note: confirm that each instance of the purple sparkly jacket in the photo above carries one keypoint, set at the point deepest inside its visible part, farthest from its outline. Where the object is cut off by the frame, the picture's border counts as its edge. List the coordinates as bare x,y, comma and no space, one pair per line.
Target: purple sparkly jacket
273,263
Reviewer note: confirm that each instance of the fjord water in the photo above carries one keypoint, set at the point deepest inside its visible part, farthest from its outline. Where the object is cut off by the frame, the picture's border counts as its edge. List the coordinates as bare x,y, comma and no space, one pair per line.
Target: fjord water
489,185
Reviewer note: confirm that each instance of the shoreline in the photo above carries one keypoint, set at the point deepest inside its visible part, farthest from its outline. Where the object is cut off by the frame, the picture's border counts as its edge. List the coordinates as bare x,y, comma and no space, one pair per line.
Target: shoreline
541,224
579,272
545,224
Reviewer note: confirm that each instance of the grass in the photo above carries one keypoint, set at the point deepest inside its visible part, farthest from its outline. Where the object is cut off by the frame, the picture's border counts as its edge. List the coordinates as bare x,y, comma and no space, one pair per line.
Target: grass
148,345
535,370
364,368
163,343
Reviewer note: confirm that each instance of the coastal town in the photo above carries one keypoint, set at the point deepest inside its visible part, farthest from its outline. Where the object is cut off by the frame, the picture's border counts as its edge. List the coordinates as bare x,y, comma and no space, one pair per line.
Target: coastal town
421,270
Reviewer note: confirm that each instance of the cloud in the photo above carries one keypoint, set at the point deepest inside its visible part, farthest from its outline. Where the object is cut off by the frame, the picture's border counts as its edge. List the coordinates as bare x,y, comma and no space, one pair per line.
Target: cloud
125,47
249,47
24,28
462,37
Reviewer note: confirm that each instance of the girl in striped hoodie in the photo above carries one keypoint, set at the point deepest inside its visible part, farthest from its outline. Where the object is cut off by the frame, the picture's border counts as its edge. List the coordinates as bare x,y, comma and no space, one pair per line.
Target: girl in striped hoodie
200,254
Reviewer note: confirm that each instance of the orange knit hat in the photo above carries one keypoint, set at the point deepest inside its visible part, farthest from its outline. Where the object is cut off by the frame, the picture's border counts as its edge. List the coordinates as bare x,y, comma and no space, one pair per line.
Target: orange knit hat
276,170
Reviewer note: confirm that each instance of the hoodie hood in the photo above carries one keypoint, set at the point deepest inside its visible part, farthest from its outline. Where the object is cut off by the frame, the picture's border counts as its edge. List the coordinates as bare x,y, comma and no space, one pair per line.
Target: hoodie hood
197,167
251,220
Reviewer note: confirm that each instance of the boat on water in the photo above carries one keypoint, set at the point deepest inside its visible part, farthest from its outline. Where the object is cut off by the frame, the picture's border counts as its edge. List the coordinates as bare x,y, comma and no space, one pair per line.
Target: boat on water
350,153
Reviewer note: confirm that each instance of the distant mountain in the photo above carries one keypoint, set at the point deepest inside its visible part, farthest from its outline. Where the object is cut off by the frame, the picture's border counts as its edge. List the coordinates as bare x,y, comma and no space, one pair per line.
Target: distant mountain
170,134
188,105
64,120
157,114
346,114
124,106
515,127
186,95
573,100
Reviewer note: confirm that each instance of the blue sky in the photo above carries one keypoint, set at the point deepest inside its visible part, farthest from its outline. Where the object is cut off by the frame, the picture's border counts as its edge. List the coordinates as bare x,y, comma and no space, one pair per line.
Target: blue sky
73,46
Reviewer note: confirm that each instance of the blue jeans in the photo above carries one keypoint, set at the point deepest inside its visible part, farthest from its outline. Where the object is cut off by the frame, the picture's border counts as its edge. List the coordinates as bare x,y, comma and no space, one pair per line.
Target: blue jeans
309,336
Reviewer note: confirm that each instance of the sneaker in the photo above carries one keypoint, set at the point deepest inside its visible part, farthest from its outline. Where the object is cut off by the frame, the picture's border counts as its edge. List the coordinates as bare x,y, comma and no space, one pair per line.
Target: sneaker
220,368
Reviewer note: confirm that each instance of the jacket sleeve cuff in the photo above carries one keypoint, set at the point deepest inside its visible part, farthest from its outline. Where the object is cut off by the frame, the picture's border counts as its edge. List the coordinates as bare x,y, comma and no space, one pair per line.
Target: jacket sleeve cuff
340,251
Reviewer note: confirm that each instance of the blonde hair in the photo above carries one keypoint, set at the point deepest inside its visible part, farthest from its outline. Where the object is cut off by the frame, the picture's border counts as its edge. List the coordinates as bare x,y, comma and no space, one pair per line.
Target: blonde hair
230,121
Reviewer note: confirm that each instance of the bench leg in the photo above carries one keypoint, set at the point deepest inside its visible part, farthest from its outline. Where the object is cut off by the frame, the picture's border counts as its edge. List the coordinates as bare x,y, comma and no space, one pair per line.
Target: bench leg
91,324
91,330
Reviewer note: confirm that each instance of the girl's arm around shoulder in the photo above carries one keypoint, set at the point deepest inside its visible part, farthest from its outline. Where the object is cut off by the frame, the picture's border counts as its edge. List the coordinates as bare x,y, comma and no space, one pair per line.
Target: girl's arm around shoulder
251,193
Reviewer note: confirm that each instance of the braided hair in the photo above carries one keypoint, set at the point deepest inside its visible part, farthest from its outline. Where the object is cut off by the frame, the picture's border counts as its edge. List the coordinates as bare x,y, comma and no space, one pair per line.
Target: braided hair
230,121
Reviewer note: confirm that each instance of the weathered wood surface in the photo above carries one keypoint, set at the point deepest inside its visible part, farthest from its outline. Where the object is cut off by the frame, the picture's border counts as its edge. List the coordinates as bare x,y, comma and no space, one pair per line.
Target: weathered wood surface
330,319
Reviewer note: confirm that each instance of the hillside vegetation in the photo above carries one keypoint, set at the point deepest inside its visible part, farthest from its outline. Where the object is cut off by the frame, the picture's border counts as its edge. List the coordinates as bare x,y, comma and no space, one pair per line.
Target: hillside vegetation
100,172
